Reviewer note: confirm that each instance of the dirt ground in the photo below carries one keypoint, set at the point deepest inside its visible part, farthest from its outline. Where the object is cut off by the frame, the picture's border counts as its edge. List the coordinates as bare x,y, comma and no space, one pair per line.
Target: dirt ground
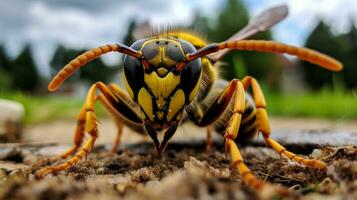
62,131
185,170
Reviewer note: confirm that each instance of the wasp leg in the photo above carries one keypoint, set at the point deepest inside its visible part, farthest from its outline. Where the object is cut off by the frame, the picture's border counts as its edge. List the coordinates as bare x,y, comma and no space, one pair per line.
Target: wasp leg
118,122
264,126
122,106
117,97
91,127
117,140
78,137
80,129
90,124
209,140
117,109
234,88
232,132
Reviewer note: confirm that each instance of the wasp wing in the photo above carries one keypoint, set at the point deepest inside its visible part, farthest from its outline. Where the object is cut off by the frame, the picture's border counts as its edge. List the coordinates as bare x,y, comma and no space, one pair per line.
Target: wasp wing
261,22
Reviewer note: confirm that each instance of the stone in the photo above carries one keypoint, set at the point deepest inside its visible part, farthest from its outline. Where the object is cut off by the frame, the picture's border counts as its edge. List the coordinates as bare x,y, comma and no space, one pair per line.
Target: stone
11,120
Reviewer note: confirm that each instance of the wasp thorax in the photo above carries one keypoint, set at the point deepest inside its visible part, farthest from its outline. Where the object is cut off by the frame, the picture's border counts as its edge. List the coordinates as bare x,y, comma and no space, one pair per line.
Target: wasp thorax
158,87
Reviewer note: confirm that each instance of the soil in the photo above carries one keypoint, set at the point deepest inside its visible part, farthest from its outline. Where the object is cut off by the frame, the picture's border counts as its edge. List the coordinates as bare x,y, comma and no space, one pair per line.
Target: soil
185,171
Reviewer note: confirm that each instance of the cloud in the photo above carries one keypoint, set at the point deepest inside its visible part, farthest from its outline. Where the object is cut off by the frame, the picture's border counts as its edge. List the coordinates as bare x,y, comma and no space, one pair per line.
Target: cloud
304,16
79,24
89,23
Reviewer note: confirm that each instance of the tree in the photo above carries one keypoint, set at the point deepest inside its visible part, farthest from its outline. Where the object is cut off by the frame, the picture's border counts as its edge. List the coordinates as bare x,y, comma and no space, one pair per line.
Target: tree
321,39
4,59
23,71
348,48
263,66
96,70
60,58
4,69
128,38
343,47
200,24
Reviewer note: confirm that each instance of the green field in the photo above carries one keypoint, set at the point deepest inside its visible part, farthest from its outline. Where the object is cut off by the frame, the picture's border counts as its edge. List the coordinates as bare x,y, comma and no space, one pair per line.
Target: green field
337,104
323,104
48,108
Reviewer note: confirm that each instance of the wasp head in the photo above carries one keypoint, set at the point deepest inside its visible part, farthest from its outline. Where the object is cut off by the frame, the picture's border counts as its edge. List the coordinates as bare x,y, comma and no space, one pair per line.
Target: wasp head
156,83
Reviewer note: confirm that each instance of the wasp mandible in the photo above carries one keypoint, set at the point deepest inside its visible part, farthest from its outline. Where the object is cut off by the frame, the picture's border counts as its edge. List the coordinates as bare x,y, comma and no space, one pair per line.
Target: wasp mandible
171,78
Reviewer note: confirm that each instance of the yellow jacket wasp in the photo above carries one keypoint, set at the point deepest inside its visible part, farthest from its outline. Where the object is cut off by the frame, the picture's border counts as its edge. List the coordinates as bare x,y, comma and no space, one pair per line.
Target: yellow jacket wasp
171,78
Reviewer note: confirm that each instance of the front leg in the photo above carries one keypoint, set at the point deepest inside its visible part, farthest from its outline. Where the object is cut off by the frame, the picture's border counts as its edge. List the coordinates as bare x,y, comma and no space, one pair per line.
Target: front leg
233,89
113,101
91,128
117,120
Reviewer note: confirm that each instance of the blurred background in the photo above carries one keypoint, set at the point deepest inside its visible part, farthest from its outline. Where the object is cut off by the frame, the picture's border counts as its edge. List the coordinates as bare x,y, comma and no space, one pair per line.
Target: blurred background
38,37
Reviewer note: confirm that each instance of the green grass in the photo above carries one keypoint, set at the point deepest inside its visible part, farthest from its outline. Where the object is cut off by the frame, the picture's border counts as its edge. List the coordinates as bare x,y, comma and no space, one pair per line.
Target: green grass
324,104
48,108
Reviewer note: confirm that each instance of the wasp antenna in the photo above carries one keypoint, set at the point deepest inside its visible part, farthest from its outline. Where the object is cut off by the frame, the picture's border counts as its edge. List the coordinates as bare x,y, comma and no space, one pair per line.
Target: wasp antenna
305,54
85,58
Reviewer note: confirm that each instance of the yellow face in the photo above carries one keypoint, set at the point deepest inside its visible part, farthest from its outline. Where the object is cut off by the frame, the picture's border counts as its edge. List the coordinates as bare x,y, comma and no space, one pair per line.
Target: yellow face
155,83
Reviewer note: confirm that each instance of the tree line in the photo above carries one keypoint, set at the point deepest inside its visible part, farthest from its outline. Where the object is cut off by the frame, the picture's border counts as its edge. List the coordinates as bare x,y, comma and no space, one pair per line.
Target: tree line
343,47
22,73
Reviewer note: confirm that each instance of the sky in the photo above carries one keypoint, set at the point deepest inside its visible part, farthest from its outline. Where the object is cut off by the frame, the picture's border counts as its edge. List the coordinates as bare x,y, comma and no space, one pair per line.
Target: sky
90,23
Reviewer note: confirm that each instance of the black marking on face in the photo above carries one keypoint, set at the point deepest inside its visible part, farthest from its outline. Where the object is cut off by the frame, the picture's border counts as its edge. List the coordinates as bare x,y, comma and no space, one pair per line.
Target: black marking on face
192,71
133,70
190,76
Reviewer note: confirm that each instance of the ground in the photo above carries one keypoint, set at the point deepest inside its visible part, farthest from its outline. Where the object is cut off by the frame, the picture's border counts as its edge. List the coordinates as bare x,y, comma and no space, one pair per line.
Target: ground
185,171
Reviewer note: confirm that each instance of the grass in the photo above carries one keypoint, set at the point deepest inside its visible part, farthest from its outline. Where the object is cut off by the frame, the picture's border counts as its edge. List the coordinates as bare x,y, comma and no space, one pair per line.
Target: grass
40,109
324,104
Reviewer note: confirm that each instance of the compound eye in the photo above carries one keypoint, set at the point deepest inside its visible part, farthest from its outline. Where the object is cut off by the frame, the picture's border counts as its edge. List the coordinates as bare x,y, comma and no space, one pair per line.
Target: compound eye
137,44
190,76
150,50
187,47
174,52
134,73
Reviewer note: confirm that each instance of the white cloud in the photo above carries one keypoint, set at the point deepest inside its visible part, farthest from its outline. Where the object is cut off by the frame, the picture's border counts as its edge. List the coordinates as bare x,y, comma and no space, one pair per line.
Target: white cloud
304,15
89,23
46,23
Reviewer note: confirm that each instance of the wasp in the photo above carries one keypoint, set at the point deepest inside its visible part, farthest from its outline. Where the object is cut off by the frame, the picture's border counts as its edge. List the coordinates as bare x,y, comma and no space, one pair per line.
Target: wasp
172,78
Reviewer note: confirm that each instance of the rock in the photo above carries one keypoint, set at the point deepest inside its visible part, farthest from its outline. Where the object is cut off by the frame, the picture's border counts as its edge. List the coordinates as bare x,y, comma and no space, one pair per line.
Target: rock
11,120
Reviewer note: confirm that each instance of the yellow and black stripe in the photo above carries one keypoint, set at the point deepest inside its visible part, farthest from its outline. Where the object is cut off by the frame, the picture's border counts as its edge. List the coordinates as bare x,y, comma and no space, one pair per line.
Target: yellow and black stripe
248,127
